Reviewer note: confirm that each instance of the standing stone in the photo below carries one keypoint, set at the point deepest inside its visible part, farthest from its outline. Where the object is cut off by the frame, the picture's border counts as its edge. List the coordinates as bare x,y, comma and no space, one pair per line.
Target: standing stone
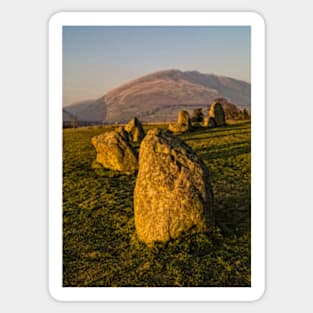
115,153
184,119
135,130
183,123
173,192
217,112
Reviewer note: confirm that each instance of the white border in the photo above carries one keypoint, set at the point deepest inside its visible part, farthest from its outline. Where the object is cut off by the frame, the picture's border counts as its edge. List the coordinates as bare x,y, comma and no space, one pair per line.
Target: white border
257,289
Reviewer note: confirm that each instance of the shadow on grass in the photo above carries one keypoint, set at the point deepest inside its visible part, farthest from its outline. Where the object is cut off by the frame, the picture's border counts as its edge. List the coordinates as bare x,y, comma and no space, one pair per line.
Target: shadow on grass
232,218
232,151
213,136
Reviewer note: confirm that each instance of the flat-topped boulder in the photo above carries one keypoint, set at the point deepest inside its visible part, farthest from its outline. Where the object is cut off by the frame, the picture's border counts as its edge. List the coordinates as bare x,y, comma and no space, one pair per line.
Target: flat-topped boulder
115,153
173,191
135,130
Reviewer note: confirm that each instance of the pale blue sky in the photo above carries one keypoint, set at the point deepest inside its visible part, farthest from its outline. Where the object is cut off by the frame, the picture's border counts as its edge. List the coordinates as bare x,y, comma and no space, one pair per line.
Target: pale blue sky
97,59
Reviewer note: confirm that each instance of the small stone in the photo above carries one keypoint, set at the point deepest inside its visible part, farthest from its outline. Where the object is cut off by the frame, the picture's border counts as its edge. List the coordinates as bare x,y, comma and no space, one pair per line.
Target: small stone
183,123
209,122
135,130
212,122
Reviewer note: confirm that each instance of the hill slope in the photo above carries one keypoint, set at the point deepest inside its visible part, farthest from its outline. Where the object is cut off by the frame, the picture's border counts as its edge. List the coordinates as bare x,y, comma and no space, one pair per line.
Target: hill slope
89,110
160,95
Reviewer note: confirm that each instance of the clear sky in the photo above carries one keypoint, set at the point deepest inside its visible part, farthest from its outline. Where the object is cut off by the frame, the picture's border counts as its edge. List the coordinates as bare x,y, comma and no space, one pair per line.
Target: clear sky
97,59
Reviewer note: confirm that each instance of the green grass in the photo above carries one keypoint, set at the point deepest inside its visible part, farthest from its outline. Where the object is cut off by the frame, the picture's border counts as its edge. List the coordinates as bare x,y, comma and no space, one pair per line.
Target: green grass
100,246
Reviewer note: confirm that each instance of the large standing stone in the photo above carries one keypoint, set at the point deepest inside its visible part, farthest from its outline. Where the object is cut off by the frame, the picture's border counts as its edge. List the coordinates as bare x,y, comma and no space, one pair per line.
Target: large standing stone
135,130
183,123
115,153
217,112
173,192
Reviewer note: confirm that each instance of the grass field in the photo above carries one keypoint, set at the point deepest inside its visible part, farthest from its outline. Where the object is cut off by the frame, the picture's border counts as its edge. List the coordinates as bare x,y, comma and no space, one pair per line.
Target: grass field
100,247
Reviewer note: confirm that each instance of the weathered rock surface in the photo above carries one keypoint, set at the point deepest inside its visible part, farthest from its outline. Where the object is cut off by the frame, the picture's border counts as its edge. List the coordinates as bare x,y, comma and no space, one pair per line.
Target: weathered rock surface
184,118
217,112
183,123
120,130
173,192
115,153
135,130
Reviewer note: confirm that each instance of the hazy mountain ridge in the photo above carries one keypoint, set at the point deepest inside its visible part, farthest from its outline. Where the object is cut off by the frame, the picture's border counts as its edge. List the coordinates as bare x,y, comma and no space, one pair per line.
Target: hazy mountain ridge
89,110
67,116
160,95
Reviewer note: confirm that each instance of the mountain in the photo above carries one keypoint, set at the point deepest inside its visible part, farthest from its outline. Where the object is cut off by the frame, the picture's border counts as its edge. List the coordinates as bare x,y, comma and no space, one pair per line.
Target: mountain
69,119
88,110
160,95
67,116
